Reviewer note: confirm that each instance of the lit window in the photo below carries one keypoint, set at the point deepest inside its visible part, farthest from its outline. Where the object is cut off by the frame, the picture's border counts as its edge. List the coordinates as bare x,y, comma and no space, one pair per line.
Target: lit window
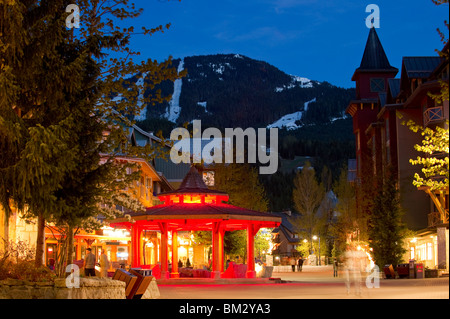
429,251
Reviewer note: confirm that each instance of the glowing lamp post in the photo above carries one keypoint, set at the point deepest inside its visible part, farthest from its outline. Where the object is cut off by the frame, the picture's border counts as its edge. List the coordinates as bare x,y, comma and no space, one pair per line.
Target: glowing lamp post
315,238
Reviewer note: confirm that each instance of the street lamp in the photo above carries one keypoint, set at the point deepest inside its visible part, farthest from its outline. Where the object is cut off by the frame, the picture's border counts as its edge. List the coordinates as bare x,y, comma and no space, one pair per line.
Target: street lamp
315,238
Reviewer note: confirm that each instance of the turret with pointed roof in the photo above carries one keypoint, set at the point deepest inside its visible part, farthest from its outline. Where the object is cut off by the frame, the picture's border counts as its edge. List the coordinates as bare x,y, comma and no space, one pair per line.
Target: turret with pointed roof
374,57
374,71
372,82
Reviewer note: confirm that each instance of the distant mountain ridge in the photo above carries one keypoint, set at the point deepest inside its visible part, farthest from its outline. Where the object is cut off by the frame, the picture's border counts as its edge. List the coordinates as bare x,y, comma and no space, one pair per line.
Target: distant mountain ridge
232,90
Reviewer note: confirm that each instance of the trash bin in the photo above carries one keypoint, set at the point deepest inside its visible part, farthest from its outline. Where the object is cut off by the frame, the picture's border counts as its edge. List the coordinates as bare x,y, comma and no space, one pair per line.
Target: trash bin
403,270
419,271
412,271
389,271
268,272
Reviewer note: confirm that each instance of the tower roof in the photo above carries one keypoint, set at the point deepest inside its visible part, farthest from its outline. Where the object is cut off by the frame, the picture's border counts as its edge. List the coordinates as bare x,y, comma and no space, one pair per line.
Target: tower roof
374,58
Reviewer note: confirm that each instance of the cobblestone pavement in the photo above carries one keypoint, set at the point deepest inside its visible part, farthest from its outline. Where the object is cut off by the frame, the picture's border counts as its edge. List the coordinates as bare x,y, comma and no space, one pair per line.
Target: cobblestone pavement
313,283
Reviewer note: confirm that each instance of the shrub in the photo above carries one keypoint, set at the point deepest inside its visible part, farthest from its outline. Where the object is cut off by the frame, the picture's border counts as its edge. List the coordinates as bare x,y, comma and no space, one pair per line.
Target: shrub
17,262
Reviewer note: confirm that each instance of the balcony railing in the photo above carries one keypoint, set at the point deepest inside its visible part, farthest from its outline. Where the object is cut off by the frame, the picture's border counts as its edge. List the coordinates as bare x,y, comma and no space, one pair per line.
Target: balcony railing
433,115
435,219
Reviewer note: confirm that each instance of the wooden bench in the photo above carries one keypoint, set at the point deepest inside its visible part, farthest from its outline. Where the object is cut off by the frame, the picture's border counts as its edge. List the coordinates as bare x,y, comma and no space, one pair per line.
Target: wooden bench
129,279
140,286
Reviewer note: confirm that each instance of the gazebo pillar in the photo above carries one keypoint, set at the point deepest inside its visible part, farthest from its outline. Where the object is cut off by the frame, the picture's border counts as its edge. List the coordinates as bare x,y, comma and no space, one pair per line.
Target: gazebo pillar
252,229
222,254
217,250
164,251
174,273
136,246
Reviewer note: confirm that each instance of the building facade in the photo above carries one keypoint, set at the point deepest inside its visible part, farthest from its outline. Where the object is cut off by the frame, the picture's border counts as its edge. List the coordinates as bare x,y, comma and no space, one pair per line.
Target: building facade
382,106
116,242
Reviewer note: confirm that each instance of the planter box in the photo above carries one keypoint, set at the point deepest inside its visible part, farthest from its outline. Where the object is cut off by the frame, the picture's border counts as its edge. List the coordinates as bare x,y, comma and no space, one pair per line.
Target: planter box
431,273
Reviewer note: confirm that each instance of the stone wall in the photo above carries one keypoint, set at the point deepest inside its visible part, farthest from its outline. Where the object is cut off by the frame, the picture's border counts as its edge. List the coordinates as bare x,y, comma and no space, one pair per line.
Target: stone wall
96,288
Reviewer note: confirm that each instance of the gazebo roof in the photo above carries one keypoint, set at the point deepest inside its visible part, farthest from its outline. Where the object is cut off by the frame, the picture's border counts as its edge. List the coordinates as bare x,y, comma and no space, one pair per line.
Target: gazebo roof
189,215
199,216
193,184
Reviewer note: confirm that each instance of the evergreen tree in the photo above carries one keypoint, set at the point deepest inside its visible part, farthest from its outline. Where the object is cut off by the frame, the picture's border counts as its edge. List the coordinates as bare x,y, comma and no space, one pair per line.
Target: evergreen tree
61,89
242,184
387,231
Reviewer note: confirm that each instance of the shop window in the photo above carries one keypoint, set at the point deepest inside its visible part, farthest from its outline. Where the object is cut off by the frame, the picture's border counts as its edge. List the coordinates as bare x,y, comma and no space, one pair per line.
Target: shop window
429,251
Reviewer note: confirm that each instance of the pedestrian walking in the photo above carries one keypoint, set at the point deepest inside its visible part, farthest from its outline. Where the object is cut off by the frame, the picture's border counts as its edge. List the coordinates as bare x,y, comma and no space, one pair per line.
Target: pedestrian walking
89,264
300,264
292,261
354,261
104,264
335,267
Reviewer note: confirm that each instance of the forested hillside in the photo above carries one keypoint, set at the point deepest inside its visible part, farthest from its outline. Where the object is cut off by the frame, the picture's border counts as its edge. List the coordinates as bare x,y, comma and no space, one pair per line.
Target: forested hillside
236,91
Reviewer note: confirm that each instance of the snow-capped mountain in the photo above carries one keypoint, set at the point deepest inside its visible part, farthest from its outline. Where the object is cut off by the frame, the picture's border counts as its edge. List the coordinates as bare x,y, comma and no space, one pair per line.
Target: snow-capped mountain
236,91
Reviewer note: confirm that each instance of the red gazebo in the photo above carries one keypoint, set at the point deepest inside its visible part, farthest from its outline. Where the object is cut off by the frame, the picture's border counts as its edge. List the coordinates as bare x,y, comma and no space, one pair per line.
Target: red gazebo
192,207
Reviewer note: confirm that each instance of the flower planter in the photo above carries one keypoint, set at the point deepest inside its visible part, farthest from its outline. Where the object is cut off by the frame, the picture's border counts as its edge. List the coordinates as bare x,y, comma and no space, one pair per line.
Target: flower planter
431,273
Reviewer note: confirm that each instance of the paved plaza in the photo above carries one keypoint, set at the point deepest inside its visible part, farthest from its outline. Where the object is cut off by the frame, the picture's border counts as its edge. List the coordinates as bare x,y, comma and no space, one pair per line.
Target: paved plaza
314,282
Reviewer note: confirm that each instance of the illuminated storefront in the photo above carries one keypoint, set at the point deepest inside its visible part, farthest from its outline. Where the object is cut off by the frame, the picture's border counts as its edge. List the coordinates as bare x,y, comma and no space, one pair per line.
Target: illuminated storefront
423,249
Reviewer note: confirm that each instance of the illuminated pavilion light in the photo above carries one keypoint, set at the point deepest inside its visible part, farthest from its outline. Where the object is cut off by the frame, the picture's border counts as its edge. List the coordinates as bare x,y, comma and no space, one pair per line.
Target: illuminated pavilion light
259,269
367,252
113,232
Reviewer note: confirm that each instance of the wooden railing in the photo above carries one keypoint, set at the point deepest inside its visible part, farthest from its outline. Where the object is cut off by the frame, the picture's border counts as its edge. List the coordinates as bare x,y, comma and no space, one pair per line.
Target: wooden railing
435,219
433,115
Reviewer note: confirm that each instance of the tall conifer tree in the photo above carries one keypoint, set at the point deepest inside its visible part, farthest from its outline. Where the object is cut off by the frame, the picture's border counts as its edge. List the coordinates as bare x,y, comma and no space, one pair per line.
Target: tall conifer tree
60,90
387,231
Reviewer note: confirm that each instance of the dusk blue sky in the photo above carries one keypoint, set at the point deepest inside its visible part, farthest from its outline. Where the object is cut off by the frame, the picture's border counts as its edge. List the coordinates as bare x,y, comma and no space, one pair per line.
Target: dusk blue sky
319,39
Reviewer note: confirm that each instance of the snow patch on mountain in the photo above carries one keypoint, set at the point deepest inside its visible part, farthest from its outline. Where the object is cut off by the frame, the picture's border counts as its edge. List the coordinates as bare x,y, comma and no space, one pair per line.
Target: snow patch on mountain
306,104
203,104
296,81
140,102
288,121
174,109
